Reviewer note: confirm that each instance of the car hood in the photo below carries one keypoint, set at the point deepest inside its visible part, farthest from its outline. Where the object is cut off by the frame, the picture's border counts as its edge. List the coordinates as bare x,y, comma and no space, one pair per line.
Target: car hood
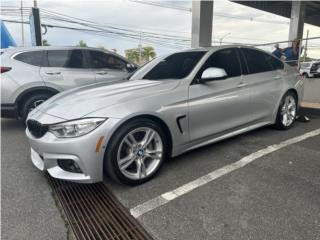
82,101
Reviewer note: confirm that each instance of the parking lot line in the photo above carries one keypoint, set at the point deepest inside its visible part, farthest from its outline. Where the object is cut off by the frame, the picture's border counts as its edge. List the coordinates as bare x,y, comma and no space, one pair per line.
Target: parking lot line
188,187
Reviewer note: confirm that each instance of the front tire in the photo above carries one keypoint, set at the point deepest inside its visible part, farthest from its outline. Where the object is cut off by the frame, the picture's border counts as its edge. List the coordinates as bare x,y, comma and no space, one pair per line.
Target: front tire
32,102
136,152
287,111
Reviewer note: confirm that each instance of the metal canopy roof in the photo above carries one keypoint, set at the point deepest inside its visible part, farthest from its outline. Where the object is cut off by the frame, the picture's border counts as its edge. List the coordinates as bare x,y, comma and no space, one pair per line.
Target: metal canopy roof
283,8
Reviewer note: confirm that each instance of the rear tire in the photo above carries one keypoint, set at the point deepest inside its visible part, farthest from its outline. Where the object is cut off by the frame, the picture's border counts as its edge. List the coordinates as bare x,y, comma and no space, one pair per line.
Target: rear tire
287,111
126,155
32,102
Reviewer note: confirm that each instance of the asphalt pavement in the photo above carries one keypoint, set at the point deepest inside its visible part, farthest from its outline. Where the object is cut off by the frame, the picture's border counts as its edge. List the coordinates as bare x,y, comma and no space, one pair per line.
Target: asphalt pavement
28,209
275,197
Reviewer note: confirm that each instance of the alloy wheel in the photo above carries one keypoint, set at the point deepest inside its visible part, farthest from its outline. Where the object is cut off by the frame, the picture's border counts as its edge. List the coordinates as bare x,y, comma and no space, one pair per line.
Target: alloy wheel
288,111
36,104
139,153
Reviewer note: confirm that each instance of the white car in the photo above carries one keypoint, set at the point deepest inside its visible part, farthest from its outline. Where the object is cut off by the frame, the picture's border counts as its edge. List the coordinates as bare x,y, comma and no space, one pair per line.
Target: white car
29,76
310,69
169,106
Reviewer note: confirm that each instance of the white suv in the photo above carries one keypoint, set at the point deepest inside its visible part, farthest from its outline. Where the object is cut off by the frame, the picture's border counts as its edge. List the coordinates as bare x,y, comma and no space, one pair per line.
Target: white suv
310,69
29,76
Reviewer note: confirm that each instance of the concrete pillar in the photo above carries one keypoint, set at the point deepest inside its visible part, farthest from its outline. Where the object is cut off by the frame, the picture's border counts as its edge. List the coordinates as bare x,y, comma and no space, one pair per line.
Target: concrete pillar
297,20
202,18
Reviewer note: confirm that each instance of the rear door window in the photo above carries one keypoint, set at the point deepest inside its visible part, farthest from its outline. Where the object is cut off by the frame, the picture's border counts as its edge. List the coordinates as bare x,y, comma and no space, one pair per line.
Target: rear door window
257,62
274,62
104,60
57,58
65,58
33,58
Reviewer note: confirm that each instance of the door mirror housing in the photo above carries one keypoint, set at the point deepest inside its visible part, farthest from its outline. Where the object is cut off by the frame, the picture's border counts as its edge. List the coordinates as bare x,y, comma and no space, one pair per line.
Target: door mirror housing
213,74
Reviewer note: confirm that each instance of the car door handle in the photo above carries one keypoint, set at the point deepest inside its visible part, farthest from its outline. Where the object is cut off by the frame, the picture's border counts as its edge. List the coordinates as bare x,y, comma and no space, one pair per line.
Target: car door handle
277,77
102,72
53,73
240,85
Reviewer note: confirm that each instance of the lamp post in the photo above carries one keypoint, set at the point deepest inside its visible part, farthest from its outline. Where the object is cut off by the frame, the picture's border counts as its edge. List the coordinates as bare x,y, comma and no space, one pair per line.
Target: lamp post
220,39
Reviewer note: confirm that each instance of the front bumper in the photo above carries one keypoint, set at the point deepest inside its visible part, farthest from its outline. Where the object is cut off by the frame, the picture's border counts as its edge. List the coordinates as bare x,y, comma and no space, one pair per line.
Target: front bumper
315,74
48,150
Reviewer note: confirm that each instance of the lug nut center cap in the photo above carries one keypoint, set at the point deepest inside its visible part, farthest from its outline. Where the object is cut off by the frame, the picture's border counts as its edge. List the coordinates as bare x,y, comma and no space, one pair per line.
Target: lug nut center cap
140,152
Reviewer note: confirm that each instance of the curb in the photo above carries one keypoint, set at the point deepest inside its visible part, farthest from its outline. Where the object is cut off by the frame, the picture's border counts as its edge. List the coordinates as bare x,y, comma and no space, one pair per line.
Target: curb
309,108
309,111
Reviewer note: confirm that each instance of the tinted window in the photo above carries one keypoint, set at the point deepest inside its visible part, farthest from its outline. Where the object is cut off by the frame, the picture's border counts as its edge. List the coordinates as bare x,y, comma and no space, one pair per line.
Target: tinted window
57,58
32,58
175,66
103,60
257,61
274,62
315,66
76,59
226,59
65,58
244,66
305,65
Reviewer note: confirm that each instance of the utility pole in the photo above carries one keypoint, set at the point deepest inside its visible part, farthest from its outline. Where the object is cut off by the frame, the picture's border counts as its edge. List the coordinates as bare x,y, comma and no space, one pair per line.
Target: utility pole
305,51
140,48
22,27
35,25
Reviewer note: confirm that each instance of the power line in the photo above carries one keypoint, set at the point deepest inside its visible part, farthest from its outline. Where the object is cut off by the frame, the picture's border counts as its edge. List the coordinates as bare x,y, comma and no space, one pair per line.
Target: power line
48,15
111,28
101,33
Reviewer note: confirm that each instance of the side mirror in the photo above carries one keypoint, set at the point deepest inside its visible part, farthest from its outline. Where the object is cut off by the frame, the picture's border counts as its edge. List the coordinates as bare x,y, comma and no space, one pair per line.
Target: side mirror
212,74
131,67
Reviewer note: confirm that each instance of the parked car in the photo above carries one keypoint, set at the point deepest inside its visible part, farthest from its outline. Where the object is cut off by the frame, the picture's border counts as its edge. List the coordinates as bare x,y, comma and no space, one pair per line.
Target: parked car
310,69
29,76
169,106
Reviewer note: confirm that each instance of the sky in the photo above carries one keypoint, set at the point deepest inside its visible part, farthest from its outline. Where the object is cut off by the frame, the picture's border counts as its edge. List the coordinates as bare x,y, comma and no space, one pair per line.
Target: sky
160,20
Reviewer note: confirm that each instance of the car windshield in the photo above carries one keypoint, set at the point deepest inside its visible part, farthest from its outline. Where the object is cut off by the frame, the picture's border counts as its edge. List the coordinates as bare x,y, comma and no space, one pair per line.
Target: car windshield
174,66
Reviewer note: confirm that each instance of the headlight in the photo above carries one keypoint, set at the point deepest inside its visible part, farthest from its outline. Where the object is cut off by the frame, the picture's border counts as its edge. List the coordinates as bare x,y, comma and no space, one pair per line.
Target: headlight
75,128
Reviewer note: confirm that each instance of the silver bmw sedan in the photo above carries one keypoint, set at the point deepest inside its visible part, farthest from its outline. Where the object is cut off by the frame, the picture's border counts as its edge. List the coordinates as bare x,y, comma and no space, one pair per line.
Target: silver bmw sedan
169,106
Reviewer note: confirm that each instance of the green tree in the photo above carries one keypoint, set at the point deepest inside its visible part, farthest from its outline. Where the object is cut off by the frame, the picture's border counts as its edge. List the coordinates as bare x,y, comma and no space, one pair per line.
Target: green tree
45,42
148,52
82,44
133,55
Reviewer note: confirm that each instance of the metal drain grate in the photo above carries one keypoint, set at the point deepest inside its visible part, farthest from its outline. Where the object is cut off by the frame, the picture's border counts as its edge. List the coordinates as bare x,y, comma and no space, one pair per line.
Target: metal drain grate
94,212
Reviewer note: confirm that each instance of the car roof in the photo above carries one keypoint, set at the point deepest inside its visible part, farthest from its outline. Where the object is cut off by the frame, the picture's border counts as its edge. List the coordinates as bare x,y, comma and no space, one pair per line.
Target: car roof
221,47
35,48
13,50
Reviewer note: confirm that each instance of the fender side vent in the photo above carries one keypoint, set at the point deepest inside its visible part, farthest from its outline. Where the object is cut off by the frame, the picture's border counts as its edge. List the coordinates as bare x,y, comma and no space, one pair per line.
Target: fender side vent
179,123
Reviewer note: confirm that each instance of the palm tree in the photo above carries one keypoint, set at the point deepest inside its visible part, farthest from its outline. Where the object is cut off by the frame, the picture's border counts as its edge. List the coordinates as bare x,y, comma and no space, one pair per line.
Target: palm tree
133,55
148,52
